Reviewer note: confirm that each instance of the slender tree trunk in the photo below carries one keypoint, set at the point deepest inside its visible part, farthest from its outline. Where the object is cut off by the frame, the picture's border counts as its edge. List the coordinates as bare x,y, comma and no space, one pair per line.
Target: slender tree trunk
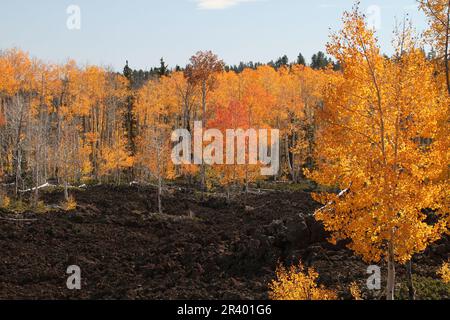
18,169
411,289
203,169
447,53
36,191
246,185
159,194
17,148
390,289
66,190
158,151
288,158
57,159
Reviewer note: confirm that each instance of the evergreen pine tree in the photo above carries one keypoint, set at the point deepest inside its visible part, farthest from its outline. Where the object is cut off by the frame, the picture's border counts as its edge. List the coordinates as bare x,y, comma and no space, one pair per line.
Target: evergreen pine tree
320,61
130,123
301,60
163,70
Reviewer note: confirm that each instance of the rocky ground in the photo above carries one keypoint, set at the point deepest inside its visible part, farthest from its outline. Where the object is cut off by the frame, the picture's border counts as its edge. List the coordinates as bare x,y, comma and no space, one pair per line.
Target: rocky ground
196,250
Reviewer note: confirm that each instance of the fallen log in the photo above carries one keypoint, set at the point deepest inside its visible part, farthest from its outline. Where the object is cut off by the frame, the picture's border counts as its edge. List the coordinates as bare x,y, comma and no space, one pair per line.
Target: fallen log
18,220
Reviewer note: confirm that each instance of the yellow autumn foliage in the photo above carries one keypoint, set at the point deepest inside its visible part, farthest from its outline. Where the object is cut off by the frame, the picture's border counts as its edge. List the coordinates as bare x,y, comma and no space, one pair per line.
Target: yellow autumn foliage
444,272
355,291
296,283
70,204
384,141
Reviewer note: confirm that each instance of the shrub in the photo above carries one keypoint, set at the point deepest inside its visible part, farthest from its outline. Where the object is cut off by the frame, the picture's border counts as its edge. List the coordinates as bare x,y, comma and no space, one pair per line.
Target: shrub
297,284
6,202
40,207
355,292
444,272
70,204
18,206
426,289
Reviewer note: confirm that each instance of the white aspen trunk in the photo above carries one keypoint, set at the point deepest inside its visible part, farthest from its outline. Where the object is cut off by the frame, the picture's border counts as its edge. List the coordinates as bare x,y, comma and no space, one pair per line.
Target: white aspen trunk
66,190
18,170
203,169
36,190
158,151
246,185
17,147
447,53
288,158
159,195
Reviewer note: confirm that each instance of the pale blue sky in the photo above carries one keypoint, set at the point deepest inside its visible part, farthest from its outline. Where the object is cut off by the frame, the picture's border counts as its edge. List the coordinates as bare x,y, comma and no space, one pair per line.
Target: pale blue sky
143,31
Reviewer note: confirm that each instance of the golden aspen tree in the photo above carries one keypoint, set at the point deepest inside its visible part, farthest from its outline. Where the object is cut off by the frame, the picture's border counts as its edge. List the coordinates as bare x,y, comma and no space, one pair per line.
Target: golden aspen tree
37,117
6,83
438,14
115,158
291,112
239,103
269,81
114,142
186,94
74,111
70,157
257,104
5,78
156,107
381,143
311,84
259,99
21,89
95,78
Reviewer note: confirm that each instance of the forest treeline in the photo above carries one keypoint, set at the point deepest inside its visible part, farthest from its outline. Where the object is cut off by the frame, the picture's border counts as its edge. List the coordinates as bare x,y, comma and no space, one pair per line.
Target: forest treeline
75,124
